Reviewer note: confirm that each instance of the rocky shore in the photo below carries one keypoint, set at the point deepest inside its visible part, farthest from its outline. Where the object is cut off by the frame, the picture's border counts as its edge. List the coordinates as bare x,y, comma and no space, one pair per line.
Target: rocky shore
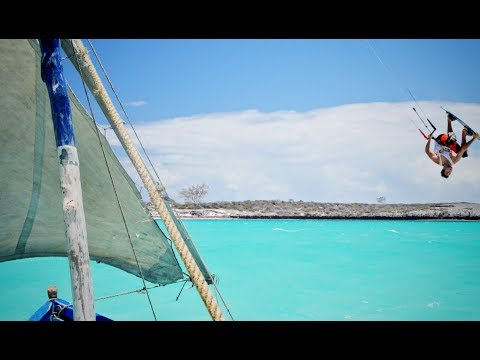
265,209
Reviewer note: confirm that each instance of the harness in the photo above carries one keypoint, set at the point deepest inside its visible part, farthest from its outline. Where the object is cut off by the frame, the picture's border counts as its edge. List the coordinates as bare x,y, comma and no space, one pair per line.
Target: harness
449,140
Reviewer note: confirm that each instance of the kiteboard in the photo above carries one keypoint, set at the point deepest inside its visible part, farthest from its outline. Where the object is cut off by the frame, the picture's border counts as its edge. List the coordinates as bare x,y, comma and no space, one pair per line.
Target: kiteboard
470,131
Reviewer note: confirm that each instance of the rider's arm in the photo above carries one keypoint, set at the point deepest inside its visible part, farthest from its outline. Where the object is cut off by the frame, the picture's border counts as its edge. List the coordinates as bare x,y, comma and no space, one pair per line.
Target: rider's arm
430,153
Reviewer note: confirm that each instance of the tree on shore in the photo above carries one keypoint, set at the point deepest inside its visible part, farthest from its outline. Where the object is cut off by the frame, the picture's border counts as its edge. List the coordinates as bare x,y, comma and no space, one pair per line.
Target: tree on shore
194,194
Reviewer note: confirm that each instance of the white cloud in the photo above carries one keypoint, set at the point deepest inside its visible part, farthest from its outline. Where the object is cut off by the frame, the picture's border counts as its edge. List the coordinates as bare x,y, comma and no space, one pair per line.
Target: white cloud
350,153
137,103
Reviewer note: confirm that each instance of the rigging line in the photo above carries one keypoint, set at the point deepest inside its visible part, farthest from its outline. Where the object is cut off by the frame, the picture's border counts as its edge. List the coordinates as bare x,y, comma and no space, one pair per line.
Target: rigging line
223,300
212,276
122,293
111,179
124,111
217,290
398,83
133,291
163,190
185,283
434,128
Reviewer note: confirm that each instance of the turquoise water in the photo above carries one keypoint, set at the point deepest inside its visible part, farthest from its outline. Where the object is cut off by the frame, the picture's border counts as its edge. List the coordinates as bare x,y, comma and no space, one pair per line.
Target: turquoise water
289,270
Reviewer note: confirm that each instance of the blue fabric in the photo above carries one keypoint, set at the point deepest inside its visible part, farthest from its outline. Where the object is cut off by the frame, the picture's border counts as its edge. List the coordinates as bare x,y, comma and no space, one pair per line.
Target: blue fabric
52,75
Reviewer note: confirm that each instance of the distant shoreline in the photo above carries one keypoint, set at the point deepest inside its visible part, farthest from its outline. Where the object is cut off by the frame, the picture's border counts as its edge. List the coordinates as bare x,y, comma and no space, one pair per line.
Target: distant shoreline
299,210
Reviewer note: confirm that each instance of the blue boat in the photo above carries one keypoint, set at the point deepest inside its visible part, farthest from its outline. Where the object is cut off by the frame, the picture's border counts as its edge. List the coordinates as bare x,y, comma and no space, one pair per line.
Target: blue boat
59,310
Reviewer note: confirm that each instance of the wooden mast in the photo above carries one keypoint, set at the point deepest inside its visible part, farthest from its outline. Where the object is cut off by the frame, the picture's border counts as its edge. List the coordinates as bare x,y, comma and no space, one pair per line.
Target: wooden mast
94,83
74,217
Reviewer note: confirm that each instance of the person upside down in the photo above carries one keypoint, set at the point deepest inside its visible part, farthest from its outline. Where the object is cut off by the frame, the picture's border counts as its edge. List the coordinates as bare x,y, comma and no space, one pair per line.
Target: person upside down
446,151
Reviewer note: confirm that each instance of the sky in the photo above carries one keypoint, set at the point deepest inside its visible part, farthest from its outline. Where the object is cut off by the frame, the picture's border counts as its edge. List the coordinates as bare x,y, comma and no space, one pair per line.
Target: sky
326,120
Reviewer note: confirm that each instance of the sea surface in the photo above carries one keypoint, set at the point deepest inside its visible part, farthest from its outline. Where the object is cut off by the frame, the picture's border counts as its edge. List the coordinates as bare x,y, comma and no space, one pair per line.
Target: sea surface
342,270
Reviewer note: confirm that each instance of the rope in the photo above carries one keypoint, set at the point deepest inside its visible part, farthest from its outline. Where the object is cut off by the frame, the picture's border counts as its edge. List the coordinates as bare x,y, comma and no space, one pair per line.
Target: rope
125,112
150,162
118,126
111,177
406,90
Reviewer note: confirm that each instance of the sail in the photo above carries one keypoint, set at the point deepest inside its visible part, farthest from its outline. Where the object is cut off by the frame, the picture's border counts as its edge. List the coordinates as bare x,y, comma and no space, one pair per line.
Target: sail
31,217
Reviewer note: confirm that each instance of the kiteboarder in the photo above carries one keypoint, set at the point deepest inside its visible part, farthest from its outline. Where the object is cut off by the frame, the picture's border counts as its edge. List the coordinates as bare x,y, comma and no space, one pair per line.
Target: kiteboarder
443,155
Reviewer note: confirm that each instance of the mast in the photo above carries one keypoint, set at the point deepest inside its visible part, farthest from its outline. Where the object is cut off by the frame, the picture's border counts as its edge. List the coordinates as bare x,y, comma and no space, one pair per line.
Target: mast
75,50
74,217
